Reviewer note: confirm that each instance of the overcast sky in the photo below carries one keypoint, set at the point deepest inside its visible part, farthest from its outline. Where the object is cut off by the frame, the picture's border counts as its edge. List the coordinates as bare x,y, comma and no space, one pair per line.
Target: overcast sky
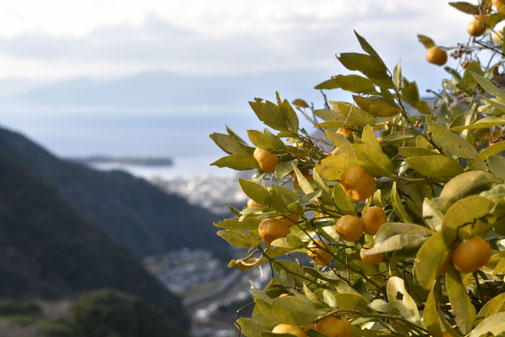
57,39
238,46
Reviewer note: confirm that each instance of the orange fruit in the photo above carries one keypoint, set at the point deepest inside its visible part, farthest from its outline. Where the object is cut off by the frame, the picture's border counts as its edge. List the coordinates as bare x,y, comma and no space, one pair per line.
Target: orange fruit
319,255
447,334
374,259
344,132
272,229
333,326
357,183
289,220
476,27
289,329
436,55
266,159
498,4
471,254
252,203
373,219
349,227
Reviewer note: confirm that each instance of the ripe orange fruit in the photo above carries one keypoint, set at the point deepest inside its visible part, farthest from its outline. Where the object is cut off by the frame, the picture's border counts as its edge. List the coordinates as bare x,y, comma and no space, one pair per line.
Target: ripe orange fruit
289,329
373,219
272,229
476,27
289,220
471,254
447,334
266,159
332,326
436,55
319,255
357,183
344,131
498,4
349,227
252,203
374,259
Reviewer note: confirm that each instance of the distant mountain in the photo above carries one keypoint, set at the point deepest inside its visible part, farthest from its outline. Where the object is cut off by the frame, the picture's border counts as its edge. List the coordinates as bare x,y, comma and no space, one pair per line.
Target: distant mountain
130,210
137,161
48,250
165,89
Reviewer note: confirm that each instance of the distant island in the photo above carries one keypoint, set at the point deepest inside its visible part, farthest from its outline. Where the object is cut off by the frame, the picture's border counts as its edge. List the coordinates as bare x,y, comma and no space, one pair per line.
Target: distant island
140,161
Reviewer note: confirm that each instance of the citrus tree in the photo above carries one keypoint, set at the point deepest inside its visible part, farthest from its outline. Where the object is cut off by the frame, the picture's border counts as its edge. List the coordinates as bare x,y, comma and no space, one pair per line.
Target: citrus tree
387,219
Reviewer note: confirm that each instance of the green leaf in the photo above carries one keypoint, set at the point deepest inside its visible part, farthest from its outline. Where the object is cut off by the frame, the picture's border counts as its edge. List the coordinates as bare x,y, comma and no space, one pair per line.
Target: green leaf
397,76
332,167
292,310
237,162
493,306
460,302
426,41
304,183
489,87
436,166
463,219
451,142
493,150
230,145
468,81
482,123
354,116
428,259
235,136
398,206
342,201
330,115
432,214
249,327
397,235
368,137
340,141
371,67
352,83
235,223
430,315
399,298
377,106
259,139
494,324
415,151
287,110
270,114
236,238
368,48
497,166
256,192
373,160
277,201
465,7
410,92
468,183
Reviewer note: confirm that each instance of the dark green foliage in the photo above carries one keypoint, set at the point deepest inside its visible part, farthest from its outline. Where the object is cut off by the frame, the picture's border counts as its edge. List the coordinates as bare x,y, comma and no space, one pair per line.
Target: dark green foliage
130,210
58,328
11,307
47,250
110,313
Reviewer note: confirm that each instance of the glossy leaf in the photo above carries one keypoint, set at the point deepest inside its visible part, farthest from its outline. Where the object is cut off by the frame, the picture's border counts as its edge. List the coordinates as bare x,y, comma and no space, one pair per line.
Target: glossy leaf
428,258
430,315
426,41
436,166
489,87
497,166
237,162
332,167
451,142
352,83
230,145
377,106
398,206
493,150
373,160
254,191
397,235
461,304
465,7
292,310
482,123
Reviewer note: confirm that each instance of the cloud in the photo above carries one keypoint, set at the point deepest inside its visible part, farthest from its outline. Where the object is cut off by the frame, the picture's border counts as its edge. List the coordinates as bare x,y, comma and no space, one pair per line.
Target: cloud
109,38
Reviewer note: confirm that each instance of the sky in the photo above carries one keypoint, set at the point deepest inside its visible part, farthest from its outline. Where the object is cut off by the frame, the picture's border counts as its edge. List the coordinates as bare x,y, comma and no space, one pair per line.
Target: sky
69,68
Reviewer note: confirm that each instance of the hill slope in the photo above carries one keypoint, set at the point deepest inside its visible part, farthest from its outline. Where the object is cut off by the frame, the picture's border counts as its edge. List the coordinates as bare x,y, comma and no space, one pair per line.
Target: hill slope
130,210
47,250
